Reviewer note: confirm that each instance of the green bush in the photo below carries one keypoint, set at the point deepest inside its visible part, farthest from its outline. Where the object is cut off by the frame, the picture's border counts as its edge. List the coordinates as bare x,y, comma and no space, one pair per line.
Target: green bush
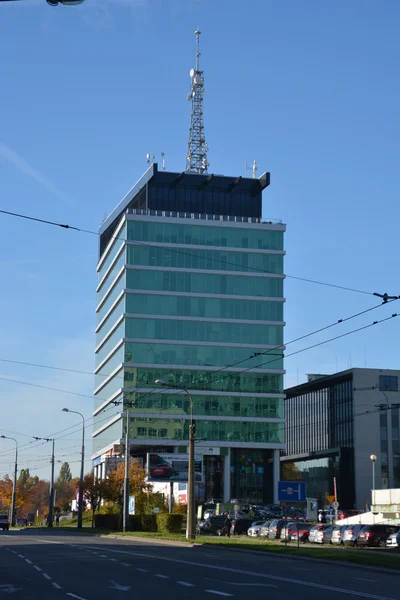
110,521
169,523
142,523
179,509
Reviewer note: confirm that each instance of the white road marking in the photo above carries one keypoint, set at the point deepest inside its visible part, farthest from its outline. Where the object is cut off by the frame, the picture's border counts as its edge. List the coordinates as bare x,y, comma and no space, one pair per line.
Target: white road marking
75,596
9,588
37,568
208,566
141,570
58,587
186,583
28,561
161,576
21,555
218,593
114,559
363,579
102,556
46,576
125,564
14,552
120,588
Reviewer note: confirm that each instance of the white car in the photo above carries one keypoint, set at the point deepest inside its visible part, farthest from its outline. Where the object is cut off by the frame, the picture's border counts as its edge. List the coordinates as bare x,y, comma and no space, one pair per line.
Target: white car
255,529
323,536
350,535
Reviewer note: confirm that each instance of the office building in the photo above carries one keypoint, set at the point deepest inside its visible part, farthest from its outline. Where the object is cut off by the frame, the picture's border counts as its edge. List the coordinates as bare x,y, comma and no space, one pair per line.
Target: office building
334,423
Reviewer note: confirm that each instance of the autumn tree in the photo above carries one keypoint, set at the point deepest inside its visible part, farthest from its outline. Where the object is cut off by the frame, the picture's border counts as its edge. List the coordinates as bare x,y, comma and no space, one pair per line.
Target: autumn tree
138,486
94,490
6,487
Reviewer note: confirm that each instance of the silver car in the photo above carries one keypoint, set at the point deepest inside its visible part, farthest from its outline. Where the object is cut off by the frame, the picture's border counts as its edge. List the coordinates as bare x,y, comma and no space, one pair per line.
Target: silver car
315,529
288,530
323,536
338,534
393,540
350,535
264,529
255,529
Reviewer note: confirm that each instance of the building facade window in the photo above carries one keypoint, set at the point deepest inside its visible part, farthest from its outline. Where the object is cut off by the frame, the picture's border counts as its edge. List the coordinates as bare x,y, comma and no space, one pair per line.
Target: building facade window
388,383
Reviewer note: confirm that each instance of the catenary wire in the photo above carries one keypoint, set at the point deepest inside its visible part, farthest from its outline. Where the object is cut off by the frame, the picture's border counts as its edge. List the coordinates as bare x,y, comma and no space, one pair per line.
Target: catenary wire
88,231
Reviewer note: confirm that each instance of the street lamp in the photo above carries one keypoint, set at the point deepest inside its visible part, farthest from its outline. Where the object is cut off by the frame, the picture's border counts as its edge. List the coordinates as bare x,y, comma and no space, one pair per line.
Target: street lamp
373,458
191,519
14,493
80,498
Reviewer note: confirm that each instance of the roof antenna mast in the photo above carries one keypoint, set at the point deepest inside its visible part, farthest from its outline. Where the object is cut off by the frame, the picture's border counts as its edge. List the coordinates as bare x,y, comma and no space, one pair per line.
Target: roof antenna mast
196,160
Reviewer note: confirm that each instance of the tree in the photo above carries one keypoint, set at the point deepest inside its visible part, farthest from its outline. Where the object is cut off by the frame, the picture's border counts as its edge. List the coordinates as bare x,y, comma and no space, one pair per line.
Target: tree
65,489
138,486
94,490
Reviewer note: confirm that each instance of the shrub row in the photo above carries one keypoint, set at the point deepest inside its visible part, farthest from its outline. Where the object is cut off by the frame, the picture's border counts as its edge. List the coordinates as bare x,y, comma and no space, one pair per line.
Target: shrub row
162,522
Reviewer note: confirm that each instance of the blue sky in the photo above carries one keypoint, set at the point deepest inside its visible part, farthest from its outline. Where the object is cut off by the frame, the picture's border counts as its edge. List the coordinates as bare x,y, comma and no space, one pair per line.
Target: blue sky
308,89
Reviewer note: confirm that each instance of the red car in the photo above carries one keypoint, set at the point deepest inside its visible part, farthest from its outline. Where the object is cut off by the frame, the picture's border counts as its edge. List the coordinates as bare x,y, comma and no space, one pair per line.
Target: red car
304,530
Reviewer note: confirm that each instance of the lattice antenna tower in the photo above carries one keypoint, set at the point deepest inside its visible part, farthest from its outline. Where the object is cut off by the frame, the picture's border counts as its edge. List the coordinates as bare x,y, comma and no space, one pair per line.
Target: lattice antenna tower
196,160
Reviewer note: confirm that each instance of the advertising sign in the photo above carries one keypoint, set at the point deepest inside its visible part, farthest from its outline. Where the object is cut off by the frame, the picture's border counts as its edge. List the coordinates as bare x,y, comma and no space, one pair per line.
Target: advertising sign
131,505
112,463
172,467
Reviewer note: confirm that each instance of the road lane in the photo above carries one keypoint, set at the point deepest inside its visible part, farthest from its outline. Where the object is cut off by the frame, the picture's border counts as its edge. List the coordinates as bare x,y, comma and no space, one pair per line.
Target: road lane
94,568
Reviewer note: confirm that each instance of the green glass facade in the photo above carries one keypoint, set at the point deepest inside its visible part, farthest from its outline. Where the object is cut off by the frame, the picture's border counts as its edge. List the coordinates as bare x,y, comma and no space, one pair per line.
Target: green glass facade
198,304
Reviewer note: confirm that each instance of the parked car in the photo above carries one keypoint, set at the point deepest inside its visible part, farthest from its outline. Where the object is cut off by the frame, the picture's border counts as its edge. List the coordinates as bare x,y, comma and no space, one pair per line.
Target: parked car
264,531
375,535
315,529
255,528
350,535
324,536
213,525
240,526
338,534
288,530
303,532
393,540
22,522
4,522
275,528
209,512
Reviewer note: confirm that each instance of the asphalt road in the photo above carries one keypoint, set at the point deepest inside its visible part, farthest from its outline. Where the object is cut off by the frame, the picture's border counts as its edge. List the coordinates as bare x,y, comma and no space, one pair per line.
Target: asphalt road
49,564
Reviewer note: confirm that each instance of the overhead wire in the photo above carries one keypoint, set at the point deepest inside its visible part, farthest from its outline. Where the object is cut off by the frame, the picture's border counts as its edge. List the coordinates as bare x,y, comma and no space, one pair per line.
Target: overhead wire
178,251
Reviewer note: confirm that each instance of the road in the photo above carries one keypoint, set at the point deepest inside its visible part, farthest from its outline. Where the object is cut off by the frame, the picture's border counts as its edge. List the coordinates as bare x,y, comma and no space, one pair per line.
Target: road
50,564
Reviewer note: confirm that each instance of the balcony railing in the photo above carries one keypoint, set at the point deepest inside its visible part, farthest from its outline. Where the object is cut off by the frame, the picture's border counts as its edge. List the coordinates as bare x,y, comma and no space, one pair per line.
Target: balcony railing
201,216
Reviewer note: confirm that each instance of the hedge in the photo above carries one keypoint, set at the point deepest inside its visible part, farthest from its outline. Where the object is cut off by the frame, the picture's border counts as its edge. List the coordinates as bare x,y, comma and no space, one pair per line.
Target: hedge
162,522
167,523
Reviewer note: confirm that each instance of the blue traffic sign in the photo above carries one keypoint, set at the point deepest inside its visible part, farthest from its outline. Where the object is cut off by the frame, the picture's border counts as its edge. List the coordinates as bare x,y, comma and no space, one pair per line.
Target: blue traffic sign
291,491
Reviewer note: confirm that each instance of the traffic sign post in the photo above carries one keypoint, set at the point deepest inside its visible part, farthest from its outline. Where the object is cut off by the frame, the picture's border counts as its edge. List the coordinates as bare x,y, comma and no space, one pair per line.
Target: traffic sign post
336,506
291,491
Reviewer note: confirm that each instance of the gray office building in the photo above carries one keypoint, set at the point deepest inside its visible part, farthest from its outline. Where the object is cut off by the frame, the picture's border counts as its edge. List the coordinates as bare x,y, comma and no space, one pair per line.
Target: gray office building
334,423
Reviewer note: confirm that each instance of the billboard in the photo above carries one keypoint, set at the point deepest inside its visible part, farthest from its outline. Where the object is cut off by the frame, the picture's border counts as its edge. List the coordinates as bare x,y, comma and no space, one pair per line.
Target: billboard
172,467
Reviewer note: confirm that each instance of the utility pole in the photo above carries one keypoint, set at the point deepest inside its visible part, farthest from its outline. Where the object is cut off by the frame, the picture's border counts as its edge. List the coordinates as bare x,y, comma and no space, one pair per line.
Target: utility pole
51,497
125,523
80,497
191,505
14,492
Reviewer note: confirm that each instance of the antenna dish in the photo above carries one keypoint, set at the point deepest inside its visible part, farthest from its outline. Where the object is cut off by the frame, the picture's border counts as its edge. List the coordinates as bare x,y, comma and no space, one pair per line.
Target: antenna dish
191,72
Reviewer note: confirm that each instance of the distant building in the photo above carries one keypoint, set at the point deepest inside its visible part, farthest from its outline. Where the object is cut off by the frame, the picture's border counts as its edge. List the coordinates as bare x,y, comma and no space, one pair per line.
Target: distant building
334,423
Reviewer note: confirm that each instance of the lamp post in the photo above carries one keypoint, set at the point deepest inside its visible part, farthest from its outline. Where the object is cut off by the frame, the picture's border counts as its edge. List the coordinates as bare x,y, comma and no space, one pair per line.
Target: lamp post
191,518
14,492
373,458
80,497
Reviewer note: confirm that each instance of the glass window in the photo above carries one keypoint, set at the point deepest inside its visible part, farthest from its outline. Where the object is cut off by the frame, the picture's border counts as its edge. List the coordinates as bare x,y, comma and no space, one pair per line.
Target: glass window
204,259
153,304
109,435
111,298
111,342
110,321
204,235
222,381
205,283
175,354
112,363
212,431
119,263
388,383
205,331
115,248
110,388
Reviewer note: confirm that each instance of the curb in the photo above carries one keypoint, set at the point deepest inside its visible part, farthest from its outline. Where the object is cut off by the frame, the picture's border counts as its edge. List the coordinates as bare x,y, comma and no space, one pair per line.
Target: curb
150,540
260,553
